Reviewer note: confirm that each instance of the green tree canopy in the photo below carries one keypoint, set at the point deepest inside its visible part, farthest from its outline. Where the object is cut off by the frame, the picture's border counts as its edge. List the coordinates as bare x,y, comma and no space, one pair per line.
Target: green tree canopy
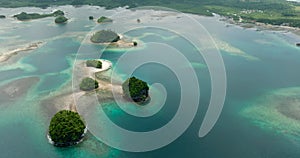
105,36
60,19
88,84
66,128
103,19
94,63
29,16
136,89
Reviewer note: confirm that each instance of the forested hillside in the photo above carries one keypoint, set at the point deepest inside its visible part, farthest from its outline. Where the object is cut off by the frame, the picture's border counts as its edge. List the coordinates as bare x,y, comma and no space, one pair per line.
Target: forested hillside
276,12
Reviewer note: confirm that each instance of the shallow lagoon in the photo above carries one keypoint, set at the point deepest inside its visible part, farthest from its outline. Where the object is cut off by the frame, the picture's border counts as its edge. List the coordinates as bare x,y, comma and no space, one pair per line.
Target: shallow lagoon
257,63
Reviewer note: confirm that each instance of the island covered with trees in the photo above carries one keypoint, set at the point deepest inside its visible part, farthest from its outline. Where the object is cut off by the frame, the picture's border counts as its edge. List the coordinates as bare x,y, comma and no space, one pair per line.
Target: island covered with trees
88,84
136,89
2,16
66,128
104,19
105,36
60,19
94,63
30,16
112,39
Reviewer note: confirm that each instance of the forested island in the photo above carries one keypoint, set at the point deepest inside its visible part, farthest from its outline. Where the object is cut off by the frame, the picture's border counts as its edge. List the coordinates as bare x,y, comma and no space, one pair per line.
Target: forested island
104,19
105,36
60,20
2,16
276,12
136,89
94,63
66,128
88,84
30,16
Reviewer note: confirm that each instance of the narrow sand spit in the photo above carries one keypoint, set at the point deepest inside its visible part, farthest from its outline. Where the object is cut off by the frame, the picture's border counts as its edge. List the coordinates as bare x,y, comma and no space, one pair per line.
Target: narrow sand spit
17,88
68,100
7,55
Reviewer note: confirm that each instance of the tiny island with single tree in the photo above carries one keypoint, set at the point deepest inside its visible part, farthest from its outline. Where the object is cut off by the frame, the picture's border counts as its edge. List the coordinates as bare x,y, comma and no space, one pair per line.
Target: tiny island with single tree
30,16
66,128
94,63
105,36
104,19
88,84
136,89
60,19
135,43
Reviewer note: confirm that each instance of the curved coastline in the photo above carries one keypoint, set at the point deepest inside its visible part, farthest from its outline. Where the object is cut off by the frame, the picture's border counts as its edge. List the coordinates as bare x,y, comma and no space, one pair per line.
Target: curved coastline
67,100
7,55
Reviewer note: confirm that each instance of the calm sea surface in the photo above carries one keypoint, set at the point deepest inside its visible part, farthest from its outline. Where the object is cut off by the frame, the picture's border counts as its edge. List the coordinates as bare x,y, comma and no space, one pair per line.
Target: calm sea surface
259,65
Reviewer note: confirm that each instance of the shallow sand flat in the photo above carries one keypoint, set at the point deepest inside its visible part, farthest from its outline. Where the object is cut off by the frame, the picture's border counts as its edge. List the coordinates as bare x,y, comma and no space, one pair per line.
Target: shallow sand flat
81,71
7,55
277,111
17,88
70,99
104,84
224,46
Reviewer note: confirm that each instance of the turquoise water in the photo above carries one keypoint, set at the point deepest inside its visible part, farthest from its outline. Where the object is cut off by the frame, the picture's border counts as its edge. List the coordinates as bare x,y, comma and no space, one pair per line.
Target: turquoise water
246,127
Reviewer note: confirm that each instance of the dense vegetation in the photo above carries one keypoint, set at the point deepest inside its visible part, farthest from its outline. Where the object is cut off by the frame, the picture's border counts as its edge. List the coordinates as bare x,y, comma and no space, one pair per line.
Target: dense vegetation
88,84
2,16
136,89
29,16
91,18
60,20
103,19
267,11
94,63
66,128
105,36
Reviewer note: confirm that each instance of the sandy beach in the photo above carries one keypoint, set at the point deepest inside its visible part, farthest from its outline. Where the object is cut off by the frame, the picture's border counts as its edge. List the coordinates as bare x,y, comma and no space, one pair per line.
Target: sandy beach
69,99
122,43
7,55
